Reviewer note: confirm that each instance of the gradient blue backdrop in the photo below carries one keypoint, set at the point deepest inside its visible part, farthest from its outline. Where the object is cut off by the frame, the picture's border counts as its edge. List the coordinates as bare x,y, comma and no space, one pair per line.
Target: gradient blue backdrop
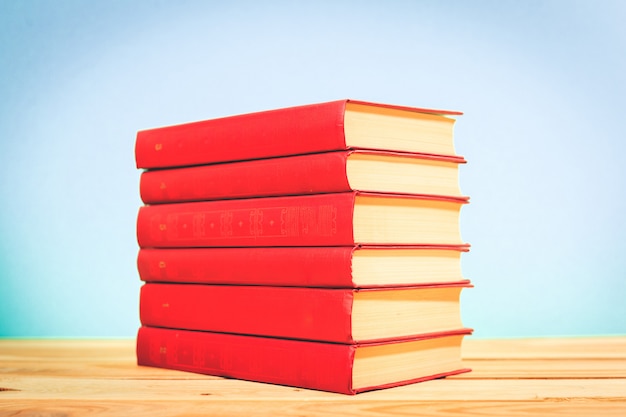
542,85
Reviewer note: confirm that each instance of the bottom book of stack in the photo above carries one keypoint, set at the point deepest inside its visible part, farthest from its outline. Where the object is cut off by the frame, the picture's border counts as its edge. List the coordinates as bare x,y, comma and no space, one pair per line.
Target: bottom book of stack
336,367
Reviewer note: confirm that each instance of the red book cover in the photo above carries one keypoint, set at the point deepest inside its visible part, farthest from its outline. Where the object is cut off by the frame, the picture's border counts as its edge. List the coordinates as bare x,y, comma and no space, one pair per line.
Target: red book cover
312,365
322,314
303,174
289,131
310,220
330,266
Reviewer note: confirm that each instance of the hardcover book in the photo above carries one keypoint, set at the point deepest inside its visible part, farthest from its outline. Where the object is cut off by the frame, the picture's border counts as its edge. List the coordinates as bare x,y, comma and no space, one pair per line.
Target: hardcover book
331,126
322,314
336,219
334,367
327,266
328,172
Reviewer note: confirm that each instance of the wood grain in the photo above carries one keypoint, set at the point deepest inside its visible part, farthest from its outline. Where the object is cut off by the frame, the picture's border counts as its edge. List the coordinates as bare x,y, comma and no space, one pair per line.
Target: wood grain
201,408
516,377
608,347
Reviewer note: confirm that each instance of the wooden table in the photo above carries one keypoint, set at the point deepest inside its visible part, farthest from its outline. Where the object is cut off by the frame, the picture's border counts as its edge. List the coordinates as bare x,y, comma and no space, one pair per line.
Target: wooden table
552,376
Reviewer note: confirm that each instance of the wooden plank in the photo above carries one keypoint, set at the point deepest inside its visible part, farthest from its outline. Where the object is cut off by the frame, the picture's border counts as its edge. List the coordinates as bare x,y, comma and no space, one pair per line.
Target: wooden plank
117,358
606,347
226,408
52,349
451,389
481,369
545,368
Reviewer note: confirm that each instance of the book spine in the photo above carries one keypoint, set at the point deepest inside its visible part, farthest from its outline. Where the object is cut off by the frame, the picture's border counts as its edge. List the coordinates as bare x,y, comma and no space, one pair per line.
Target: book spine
290,131
295,313
320,366
309,174
315,220
307,267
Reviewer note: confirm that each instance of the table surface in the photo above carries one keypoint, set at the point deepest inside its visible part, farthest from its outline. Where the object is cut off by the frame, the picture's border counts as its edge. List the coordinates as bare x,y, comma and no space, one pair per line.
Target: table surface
578,376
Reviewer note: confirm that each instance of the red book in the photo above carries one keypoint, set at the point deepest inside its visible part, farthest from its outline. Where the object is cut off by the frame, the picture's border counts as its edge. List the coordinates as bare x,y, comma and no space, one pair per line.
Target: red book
331,266
327,172
336,125
346,369
322,314
337,219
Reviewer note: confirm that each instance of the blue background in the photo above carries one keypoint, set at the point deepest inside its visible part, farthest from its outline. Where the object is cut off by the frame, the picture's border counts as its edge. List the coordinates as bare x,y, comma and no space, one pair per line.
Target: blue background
541,83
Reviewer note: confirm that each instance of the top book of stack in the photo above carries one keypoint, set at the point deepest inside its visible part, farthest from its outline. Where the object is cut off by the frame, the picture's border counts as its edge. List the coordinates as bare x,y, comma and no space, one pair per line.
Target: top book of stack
324,127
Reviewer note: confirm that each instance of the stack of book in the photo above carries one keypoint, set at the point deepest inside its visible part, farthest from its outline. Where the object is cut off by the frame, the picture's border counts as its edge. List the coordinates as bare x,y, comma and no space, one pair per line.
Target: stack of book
315,246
